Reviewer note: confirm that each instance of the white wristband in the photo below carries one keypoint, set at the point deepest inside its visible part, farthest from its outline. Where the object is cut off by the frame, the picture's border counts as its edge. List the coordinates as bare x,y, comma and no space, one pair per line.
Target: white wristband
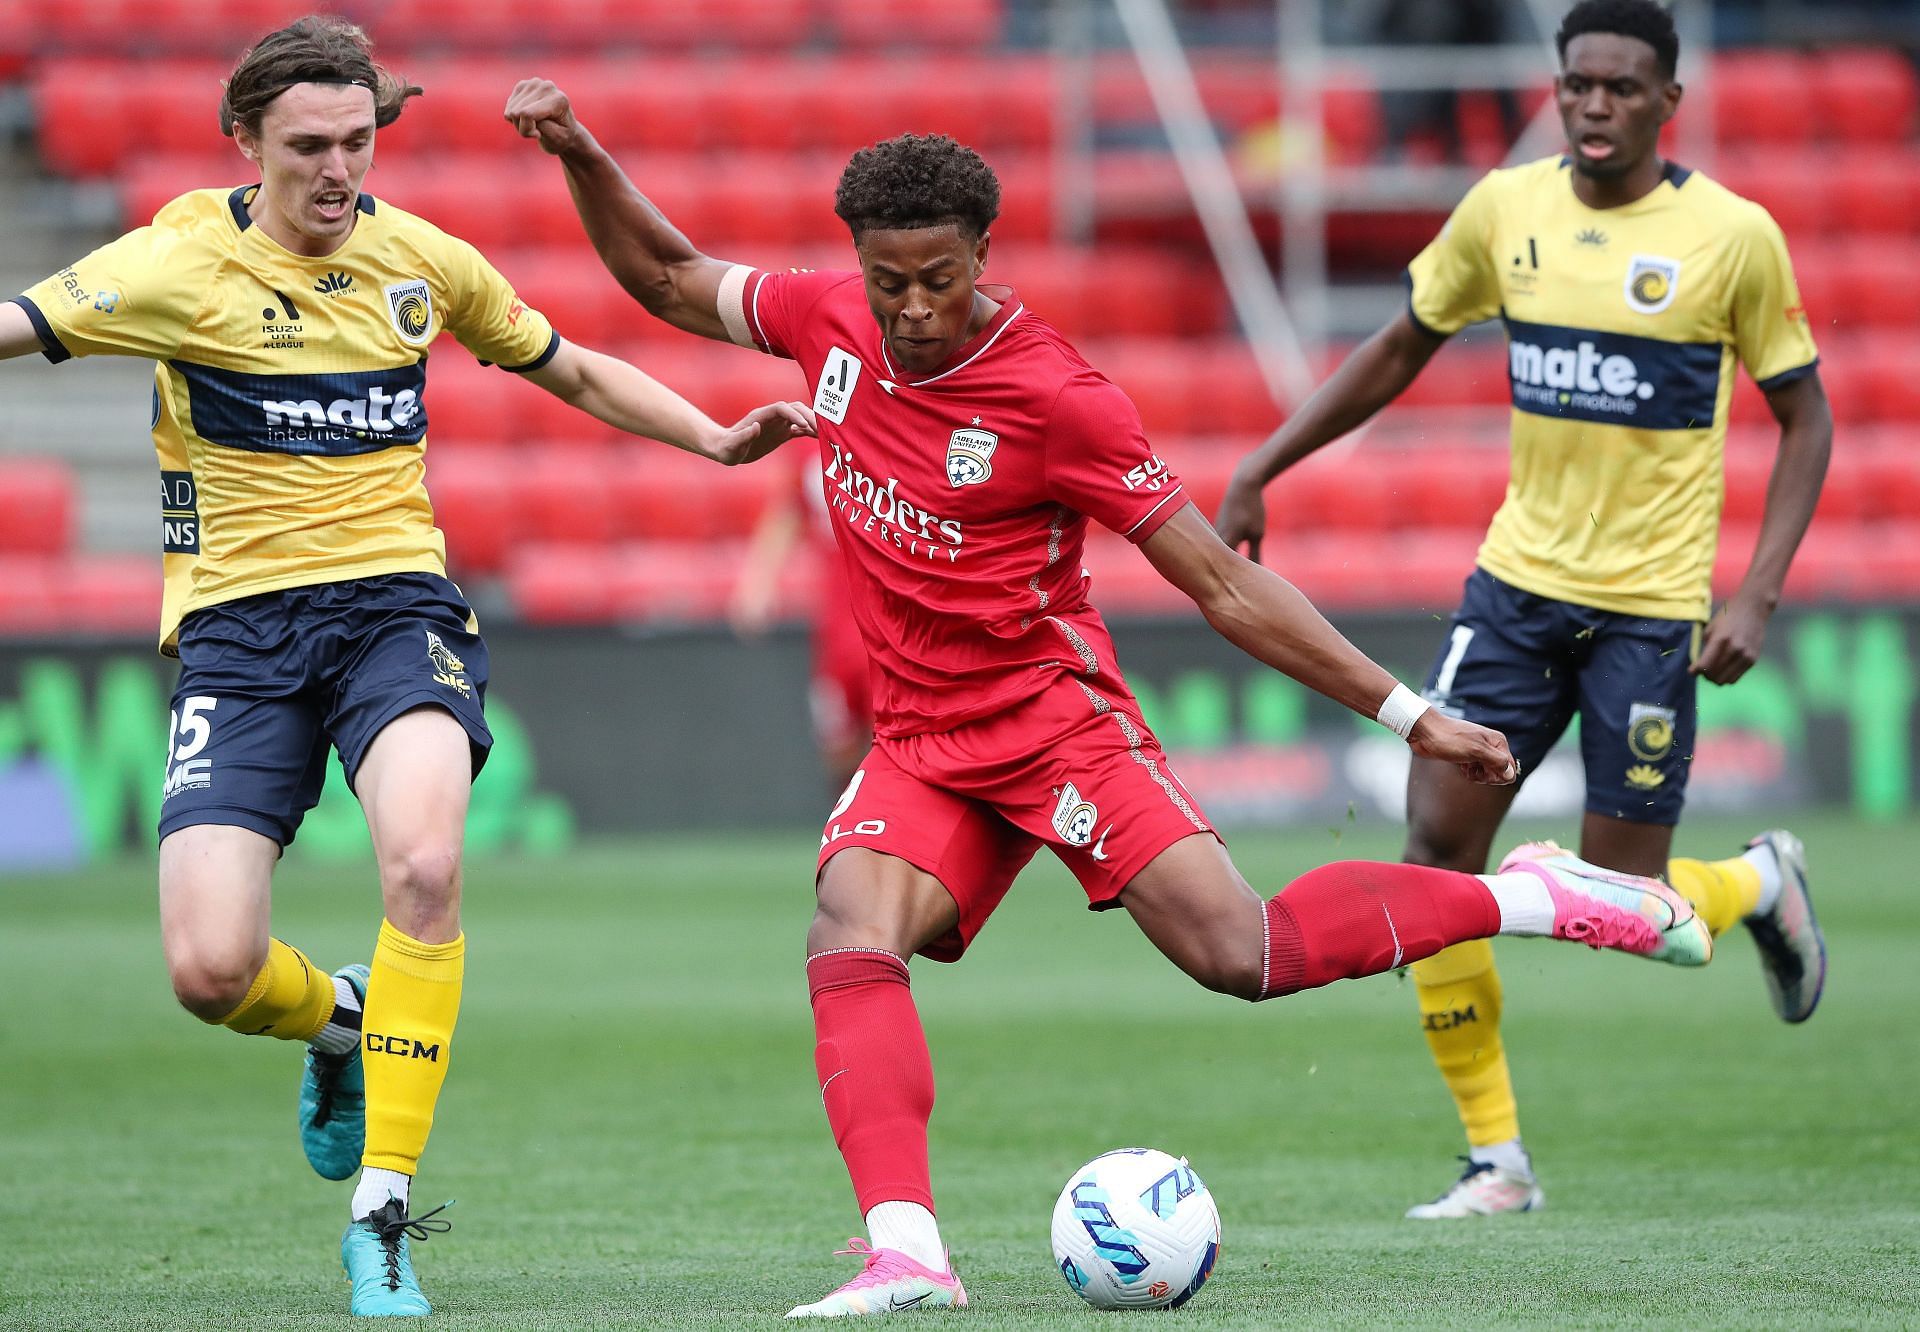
1401,710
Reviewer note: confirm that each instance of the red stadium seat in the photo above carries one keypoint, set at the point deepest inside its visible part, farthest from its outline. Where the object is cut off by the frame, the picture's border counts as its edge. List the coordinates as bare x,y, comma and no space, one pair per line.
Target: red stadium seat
1867,94
1780,183
1874,283
564,585
1758,96
36,506
1875,191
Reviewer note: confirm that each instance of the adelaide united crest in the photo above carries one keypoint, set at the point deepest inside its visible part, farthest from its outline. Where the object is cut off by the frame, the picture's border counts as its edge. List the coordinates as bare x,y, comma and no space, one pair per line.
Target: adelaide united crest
970,456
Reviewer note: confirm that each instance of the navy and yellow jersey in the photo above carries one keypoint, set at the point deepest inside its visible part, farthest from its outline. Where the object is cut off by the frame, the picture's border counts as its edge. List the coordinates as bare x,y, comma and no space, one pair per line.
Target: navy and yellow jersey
1623,325
290,409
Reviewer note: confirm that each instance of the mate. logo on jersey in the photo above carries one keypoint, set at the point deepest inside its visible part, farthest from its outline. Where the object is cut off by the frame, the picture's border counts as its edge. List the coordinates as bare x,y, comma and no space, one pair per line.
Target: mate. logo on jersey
334,415
1612,378
970,455
1651,283
410,305
837,380
1074,818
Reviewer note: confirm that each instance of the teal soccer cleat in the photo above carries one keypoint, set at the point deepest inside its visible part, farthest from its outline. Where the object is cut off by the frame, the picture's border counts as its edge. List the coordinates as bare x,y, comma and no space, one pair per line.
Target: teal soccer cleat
374,1252
333,1101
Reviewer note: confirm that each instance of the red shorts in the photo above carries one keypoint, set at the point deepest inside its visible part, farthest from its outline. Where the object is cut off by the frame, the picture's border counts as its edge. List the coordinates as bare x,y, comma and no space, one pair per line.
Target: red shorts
1073,768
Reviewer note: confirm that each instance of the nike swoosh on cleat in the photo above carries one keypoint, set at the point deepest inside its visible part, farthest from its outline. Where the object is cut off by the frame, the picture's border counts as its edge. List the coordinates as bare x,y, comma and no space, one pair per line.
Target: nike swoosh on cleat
895,1303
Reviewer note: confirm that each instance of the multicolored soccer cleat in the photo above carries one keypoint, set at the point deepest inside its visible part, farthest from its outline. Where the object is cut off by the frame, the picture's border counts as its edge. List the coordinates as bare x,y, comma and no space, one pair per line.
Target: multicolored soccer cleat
333,1100
890,1282
1605,909
1484,1190
1793,952
375,1253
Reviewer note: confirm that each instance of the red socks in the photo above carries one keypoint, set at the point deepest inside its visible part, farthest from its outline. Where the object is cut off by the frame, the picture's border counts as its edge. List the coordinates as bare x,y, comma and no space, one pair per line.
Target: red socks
876,1076
1360,917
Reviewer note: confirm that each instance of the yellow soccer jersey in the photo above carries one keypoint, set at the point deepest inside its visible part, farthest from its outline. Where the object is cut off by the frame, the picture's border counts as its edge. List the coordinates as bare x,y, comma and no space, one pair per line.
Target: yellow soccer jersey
1622,329
290,409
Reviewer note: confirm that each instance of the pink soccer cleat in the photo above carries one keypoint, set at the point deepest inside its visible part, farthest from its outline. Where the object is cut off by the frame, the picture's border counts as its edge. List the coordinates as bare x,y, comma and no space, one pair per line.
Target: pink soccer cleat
1605,909
891,1282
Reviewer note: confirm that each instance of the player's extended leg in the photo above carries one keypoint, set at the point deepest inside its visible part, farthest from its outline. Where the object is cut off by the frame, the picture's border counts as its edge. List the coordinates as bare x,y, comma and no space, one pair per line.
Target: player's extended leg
876,1076
1359,918
413,784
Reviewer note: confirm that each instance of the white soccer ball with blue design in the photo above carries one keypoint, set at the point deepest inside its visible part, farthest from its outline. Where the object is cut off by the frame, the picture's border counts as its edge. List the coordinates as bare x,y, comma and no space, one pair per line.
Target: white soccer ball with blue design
1135,1229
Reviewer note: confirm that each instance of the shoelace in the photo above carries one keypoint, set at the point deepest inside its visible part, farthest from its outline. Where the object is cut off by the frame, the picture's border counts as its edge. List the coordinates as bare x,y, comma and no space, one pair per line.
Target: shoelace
1473,1168
391,1229
327,1084
859,1248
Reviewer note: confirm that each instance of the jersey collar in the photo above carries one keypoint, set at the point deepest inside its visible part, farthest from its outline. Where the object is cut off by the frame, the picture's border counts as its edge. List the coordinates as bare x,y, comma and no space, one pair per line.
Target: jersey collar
970,351
243,195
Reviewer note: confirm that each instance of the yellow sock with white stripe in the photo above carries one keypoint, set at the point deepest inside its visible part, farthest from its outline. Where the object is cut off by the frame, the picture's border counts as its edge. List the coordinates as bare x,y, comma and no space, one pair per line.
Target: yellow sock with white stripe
1459,992
413,1000
1722,891
290,1000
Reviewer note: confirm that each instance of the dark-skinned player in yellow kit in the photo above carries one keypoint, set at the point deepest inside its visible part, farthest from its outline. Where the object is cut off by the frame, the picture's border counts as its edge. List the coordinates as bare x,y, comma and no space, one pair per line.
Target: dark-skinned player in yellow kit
1629,286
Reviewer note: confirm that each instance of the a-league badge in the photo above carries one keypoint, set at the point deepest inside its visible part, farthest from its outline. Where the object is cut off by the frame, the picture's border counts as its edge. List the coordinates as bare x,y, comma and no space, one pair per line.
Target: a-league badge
410,306
1651,283
837,380
970,456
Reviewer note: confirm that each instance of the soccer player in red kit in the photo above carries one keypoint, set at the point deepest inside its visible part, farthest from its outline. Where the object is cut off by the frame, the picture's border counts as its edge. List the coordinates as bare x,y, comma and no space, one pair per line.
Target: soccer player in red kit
965,445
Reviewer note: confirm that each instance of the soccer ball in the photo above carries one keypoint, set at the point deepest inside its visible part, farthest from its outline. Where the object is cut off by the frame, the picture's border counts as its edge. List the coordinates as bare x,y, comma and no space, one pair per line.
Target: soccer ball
1135,1229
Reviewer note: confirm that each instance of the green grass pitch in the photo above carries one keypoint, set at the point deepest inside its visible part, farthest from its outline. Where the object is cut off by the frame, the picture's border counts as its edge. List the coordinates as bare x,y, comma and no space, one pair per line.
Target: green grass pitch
633,1134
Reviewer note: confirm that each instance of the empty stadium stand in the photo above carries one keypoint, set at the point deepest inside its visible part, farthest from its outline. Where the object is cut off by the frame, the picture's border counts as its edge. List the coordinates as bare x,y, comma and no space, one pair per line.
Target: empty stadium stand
740,140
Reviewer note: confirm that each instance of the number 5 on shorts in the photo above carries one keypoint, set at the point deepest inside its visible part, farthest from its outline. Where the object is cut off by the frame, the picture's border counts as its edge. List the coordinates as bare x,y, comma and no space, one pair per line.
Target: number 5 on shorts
193,730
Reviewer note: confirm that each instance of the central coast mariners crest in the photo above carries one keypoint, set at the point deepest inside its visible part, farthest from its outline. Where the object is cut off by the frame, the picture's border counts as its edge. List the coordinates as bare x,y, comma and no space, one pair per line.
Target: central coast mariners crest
1650,731
1651,283
970,456
410,306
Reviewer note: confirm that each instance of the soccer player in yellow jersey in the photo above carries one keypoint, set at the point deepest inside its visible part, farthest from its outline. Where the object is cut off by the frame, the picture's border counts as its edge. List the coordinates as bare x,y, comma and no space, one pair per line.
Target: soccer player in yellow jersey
1629,287
306,592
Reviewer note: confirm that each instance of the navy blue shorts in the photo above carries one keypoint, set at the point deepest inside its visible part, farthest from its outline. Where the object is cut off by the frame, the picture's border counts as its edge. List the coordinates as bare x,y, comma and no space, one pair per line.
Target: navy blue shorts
1525,664
268,683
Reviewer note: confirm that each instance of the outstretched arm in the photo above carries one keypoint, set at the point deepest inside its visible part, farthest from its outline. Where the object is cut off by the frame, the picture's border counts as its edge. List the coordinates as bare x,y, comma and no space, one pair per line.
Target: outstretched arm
17,337
646,253
629,399
1266,617
1373,376
1735,636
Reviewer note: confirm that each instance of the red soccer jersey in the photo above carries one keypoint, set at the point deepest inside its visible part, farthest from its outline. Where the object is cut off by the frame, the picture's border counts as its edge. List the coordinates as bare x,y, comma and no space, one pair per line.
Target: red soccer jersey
961,496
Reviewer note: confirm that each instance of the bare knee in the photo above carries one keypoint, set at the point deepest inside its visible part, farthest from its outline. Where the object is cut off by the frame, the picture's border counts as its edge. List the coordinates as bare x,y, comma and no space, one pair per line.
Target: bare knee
1445,846
866,899
421,886
1240,973
211,981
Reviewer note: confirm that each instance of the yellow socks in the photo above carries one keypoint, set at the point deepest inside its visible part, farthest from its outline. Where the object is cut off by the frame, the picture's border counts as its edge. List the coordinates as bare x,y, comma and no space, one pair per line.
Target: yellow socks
1722,891
413,998
1459,994
290,1000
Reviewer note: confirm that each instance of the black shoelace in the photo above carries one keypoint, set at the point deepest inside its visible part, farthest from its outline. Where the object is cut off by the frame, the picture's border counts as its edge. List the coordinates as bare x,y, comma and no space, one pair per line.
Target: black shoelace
391,1223
323,1100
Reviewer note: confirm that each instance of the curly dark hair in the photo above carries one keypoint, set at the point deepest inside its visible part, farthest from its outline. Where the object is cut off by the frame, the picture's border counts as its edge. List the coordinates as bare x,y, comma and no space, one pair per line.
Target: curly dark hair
1646,20
917,180
315,49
